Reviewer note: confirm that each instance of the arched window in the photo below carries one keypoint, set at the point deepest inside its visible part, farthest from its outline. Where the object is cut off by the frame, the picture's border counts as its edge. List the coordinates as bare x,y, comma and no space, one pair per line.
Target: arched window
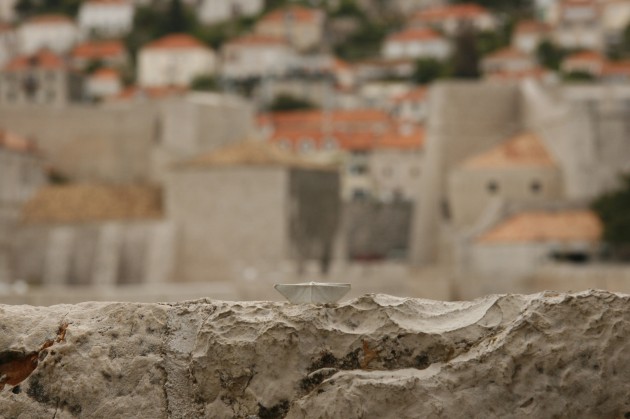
307,145
493,187
535,186
284,144
331,143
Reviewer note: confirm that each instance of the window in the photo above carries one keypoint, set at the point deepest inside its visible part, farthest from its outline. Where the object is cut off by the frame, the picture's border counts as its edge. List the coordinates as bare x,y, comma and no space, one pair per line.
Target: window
331,144
493,187
307,144
284,144
535,186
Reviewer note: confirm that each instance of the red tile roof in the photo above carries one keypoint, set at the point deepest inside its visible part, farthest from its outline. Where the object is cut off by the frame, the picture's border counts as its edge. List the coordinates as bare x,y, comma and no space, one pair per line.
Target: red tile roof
616,68
536,73
296,13
455,11
43,59
94,50
14,142
507,53
105,74
257,40
49,19
546,226
132,92
531,26
176,41
414,95
414,35
523,150
590,56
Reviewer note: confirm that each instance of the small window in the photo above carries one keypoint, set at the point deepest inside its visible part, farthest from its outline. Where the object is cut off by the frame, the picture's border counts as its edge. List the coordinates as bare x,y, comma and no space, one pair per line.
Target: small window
331,144
535,187
284,144
493,187
307,144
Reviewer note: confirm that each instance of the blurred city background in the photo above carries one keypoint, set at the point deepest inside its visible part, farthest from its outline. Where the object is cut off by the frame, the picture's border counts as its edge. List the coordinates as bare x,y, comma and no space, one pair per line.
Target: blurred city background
156,150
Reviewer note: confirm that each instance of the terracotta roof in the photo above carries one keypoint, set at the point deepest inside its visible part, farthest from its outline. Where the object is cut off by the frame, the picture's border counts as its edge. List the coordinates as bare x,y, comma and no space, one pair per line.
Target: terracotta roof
546,226
49,19
394,138
132,92
43,59
86,203
413,95
455,11
616,68
507,53
98,49
414,34
176,41
256,40
523,150
14,142
590,56
5,27
531,26
251,153
105,74
536,73
296,13
318,116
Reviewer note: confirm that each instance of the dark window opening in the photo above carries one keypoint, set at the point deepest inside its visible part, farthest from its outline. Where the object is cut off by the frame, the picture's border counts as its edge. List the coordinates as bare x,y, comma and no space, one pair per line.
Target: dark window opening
536,186
493,187
571,257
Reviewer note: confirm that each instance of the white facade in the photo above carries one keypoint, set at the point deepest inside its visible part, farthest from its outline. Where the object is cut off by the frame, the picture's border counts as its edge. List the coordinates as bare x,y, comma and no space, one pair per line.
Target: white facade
409,46
174,66
215,11
106,17
7,10
8,45
104,83
250,57
56,33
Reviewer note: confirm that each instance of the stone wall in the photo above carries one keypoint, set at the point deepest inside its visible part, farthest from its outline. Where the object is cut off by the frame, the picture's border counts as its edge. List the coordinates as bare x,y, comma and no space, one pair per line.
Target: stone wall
543,355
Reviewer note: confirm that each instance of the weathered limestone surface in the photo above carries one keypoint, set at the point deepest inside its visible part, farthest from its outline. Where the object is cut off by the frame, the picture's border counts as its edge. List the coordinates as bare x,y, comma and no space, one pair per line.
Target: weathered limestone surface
544,355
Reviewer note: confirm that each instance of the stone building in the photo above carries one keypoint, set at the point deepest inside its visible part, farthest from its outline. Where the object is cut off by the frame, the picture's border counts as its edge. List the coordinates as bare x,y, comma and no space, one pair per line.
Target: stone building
21,174
249,211
301,27
93,234
43,78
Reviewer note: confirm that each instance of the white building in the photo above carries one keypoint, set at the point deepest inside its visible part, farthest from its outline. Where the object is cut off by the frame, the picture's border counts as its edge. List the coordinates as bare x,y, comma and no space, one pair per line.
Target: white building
8,43
57,33
257,56
412,105
449,18
215,11
416,43
528,34
106,17
174,60
7,10
507,60
579,25
104,83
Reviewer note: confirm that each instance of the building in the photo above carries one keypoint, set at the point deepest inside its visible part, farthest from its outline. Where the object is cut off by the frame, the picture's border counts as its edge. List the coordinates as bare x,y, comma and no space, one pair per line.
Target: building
251,211
109,53
586,62
507,60
528,34
43,78
579,25
448,19
57,33
103,83
21,174
174,60
415,44
615,16
106,18
301,27
215,11
8,43
519,170
7,10
616,72
252,56
412,105
94,234
520,243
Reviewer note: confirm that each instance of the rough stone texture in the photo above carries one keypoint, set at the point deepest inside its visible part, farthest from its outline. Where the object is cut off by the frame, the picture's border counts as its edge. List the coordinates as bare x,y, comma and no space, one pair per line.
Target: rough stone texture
544,355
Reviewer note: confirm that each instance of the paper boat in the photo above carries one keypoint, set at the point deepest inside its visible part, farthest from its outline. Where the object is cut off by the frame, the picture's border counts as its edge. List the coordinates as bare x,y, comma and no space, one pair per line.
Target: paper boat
313,292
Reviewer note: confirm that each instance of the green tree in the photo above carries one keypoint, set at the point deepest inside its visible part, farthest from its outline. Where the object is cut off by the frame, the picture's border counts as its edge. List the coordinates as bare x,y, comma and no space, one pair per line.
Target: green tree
613,208
578,76
549,55
466,56
204,83
428,70
290,103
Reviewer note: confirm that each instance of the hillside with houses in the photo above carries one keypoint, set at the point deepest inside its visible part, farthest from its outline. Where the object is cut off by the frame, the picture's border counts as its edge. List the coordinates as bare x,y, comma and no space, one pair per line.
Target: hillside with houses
238,142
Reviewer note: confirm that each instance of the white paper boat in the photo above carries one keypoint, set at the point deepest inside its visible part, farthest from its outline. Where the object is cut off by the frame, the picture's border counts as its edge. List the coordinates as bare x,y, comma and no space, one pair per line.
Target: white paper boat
313,292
